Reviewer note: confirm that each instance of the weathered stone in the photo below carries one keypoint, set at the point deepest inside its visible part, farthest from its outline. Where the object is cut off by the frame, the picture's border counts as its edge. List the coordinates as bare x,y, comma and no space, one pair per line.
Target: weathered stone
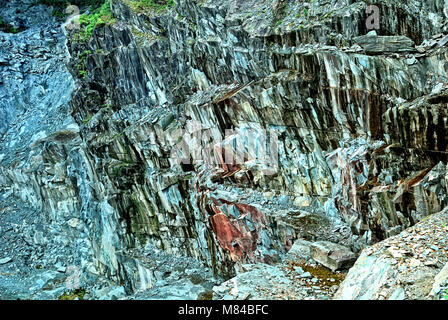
300,250
332,255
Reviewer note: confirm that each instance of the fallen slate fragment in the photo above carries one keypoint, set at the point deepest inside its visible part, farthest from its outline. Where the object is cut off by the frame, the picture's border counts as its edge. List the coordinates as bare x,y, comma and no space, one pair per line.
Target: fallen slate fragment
411,61
299,270
443,42
331,255
300,250
306,275
61,269
5,260
373,43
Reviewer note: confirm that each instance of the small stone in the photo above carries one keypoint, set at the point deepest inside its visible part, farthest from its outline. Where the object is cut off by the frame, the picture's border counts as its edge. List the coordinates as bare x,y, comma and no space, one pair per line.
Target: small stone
306,275
73,222
61,269
414,263
5,260
411,61
443,42
299,270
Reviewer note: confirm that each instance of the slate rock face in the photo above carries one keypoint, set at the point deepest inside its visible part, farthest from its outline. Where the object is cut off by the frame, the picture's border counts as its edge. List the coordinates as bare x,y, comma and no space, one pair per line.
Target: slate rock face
359,139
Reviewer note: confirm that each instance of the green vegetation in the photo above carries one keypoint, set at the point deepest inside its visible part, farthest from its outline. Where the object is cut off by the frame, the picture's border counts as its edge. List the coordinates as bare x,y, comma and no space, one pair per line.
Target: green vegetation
100,14
82,60
87,120
146,6
6,27
72,295
141,36
59,6
88,22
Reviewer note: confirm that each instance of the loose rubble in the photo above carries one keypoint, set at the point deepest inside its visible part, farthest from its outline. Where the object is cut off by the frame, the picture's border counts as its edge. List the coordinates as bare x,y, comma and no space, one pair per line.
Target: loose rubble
406,266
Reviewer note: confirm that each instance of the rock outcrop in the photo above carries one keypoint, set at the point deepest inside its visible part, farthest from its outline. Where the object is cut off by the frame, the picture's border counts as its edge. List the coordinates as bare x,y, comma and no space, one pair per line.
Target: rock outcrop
406,266
440,286
147,145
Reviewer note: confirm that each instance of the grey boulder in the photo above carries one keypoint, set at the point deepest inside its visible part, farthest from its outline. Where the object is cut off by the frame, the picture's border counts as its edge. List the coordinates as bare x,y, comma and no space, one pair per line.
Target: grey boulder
331,255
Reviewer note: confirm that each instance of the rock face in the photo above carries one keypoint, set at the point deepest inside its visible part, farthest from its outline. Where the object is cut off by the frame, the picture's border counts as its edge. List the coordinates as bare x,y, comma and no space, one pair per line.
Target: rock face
39,160
146,146
406,266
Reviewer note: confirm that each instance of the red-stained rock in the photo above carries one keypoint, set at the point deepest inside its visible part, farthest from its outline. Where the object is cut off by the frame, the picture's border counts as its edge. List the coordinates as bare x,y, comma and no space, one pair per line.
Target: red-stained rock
256,214
235,236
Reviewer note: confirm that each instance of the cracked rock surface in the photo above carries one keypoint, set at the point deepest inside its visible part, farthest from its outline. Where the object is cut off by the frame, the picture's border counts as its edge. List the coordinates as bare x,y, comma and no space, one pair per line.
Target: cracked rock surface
90,177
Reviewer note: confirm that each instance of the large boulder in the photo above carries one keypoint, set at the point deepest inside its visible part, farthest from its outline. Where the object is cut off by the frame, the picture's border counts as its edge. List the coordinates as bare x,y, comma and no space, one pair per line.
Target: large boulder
331,255
300,250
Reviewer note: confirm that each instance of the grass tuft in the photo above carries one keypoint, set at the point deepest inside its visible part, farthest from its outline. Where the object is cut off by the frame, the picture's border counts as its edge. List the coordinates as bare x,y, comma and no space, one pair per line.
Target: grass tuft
148,6
88,22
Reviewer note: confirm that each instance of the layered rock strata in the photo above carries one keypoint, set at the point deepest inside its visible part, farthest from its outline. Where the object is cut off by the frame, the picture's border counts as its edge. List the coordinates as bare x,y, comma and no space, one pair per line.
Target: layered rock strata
353,126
